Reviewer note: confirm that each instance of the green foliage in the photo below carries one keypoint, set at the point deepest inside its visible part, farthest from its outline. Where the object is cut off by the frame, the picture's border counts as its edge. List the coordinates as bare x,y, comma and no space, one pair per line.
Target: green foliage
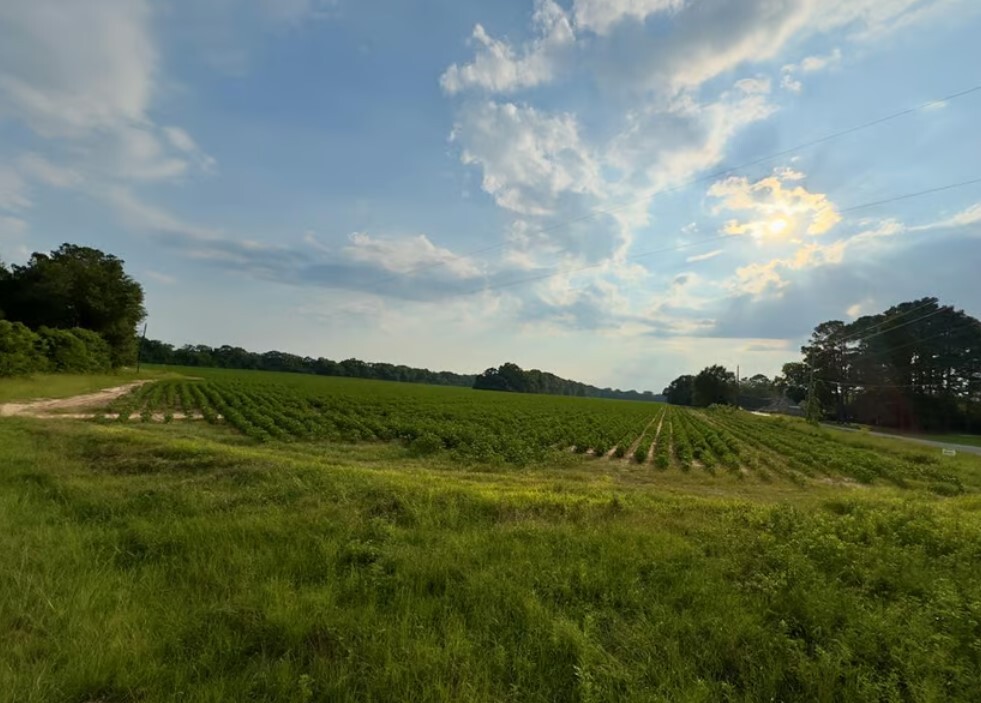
19,353
512,378
713,384
681,391
74,351
73,287
913,366
225,570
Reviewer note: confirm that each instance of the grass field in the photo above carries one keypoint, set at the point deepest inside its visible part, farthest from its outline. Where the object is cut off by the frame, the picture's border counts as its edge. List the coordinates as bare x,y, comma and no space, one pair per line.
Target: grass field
65,385
755,560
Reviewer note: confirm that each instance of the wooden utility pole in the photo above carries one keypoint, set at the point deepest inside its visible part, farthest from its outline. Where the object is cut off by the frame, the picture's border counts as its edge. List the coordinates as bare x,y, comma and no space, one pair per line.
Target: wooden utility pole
139,348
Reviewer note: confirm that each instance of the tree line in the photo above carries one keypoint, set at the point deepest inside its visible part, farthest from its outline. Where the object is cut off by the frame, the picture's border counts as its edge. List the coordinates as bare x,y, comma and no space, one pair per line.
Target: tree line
73,310
230,357
914,366
512,378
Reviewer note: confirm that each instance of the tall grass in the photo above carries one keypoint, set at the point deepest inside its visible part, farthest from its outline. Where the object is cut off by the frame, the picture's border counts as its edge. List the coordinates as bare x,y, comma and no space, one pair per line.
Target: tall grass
175,562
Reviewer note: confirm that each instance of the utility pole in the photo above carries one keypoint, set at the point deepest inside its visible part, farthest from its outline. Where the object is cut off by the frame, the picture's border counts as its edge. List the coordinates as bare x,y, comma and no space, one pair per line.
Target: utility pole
139,349
738,405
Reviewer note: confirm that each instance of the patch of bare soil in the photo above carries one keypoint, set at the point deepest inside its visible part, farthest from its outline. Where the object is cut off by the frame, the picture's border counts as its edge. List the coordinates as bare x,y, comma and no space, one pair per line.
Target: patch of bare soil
53,407
657,438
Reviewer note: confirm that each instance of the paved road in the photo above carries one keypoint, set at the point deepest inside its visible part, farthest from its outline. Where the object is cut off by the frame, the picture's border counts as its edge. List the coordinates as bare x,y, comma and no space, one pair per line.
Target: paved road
966,448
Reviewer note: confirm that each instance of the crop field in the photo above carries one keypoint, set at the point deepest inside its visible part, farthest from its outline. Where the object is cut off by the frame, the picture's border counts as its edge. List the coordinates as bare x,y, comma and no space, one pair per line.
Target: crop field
518,429
248,536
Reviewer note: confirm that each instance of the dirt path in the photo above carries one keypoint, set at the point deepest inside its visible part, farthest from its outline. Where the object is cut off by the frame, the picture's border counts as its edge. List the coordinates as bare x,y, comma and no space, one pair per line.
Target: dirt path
657,438
52,407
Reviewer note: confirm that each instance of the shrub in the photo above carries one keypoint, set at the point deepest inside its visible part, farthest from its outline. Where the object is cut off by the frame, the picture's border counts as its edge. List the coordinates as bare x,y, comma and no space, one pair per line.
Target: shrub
425,444
19,354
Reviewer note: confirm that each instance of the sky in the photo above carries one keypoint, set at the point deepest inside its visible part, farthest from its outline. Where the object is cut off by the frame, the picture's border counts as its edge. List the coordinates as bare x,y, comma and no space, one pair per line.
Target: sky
618,191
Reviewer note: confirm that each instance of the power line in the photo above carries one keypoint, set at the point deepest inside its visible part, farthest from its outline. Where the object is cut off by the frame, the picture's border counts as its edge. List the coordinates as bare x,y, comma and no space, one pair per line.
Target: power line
711,176
921,340
912,195
943,308
557,271
892,318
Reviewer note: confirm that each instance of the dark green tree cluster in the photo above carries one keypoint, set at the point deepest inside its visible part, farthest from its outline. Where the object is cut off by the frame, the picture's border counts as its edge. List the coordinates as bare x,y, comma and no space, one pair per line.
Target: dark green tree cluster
229,357
916,366
23,351
74,288
512,378
713,385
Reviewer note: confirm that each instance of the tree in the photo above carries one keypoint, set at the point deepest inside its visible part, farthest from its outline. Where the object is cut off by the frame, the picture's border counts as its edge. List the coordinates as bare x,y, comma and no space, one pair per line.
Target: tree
915,366
714,385
680,391
75,287
796,376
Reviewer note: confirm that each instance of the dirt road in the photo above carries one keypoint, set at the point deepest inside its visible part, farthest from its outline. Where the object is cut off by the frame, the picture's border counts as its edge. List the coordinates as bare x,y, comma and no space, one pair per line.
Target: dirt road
57,407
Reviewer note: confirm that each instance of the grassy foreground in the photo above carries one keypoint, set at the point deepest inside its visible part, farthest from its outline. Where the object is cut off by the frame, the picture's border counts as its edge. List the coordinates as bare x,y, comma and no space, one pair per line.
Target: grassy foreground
183,563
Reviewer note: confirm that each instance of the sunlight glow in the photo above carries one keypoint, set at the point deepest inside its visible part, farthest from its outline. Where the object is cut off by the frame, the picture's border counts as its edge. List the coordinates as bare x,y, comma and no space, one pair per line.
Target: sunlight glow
777,226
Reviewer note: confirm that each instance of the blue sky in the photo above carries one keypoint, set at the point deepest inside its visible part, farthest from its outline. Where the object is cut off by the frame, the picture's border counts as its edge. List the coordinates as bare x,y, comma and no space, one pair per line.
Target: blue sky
454,184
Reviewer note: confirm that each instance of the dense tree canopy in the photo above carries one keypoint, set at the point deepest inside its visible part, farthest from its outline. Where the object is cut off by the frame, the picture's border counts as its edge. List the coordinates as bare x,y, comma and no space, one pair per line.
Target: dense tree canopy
76,287
713,385
917,365
229,357
681,391
511,377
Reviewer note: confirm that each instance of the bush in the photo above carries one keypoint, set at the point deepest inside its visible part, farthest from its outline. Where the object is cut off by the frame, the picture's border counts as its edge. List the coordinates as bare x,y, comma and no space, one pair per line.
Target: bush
19,354
73,351
425,444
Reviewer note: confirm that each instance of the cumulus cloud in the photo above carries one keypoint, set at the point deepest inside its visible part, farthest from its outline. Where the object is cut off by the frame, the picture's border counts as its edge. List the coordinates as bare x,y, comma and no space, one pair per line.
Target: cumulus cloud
664,145
809,64
528,158
758,279
601,16
778,212
498,67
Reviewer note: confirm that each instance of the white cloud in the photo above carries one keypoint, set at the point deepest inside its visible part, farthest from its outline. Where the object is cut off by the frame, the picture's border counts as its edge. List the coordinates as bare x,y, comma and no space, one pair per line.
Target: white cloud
69,68
497,67
410,255
704,257
601,16
968,216
780,213
84,76
759,279
662,146
528,158
752,86
810,64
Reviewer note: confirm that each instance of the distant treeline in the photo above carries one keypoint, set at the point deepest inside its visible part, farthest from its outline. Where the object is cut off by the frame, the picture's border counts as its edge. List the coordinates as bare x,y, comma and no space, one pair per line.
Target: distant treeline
228,357
915,366
511,377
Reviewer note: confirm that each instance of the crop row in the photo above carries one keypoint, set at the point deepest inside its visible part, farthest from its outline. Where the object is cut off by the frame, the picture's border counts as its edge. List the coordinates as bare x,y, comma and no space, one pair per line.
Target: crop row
519,429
